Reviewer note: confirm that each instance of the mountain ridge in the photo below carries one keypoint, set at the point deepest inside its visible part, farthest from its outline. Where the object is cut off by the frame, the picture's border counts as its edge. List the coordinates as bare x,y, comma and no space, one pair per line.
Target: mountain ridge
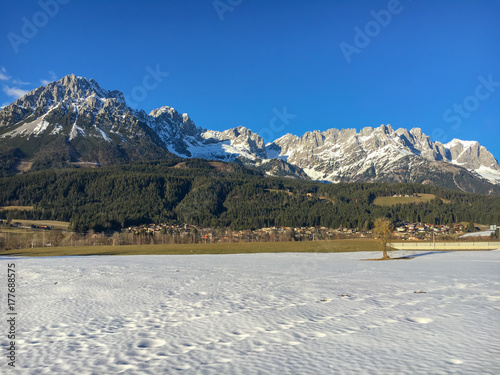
313,149
74,120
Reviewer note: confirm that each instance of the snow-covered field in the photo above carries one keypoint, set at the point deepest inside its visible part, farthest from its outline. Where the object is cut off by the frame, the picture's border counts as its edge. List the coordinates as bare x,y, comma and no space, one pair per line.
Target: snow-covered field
257,314
485,233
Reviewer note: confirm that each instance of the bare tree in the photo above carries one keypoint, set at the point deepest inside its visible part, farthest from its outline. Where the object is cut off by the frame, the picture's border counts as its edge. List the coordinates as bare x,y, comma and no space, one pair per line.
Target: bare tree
56,236
383,230
3,243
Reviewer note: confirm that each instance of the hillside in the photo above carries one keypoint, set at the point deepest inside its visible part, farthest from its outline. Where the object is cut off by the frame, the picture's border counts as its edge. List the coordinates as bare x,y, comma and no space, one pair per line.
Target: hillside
203,193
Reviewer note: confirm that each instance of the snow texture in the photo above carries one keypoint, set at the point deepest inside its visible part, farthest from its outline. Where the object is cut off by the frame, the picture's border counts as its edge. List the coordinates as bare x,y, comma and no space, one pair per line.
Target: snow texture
485,233
437,313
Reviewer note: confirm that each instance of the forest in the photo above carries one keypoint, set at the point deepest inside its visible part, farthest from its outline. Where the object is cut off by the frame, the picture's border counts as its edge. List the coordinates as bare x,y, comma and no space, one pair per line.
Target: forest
221,195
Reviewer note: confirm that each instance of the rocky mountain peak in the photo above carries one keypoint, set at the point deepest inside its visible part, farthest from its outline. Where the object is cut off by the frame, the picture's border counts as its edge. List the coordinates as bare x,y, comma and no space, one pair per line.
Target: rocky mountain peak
166,111
68,90
170,123
247,139
386,129
371,153
471,155
86,119
75,88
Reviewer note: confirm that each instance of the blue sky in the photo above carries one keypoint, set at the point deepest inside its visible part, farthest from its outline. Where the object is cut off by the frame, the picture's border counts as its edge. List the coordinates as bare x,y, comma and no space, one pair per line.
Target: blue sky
275,67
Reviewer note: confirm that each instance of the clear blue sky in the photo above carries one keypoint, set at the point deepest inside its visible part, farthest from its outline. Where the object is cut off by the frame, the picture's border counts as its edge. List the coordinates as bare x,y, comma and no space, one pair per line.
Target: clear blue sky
426,66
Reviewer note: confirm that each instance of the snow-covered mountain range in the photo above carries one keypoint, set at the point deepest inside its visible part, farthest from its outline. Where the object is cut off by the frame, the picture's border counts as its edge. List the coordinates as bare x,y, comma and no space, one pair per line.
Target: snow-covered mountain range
379,154
75,121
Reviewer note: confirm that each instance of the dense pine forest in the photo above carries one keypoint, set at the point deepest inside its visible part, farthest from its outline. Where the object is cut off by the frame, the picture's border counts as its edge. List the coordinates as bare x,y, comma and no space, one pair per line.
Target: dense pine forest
215,194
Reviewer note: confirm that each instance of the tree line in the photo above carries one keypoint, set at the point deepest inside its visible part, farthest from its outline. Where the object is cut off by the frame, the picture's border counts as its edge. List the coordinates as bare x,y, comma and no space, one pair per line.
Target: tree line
196,192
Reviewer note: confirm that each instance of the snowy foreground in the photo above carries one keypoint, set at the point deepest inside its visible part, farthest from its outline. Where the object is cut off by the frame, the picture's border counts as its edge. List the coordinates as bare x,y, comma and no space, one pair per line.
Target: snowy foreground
257,314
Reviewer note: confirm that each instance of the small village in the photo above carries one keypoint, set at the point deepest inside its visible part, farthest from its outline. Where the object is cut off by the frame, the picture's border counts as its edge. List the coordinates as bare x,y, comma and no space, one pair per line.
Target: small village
45,235
419,231
192,233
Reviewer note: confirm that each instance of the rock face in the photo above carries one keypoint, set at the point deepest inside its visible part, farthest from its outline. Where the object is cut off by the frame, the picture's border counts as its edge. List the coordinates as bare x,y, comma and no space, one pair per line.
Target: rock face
75,121
380,154
181,137
470,154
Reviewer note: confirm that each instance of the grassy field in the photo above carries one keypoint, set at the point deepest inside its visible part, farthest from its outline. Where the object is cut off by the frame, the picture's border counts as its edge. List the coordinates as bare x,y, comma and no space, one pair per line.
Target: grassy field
227,248
52,223
279,191
323,198
480,226
20,208
390,201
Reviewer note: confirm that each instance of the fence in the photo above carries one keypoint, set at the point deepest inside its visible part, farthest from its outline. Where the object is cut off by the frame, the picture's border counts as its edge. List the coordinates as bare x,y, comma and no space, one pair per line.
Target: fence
446,245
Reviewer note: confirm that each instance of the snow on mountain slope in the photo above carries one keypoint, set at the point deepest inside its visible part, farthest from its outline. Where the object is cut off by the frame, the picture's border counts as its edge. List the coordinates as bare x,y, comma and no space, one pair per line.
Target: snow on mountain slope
339,155
72,104
473,156
96,125
184,139
74,120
